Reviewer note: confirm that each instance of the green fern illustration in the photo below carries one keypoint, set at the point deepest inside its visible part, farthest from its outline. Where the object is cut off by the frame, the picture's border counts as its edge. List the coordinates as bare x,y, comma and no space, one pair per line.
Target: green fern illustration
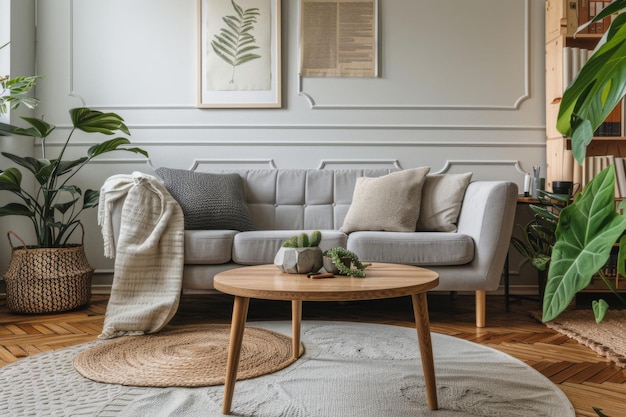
234,43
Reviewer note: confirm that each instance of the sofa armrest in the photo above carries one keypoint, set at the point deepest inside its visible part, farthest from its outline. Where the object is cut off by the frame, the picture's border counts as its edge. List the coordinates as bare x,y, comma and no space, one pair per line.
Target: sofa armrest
487,215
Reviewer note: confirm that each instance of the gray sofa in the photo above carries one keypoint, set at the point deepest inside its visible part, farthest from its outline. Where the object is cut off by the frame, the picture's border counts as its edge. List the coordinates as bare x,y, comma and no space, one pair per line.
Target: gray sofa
219,235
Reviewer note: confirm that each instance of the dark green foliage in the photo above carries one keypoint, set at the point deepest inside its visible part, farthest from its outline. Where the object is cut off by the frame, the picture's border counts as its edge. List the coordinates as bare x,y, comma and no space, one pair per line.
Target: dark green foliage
54,207
539,235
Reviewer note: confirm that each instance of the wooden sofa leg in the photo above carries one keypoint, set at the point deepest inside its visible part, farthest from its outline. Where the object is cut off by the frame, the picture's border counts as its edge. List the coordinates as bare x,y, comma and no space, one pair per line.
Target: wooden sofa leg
481,301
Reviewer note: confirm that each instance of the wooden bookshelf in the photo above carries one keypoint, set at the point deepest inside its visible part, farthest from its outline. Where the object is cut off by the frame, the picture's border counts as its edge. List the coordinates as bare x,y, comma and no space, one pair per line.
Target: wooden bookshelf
561,23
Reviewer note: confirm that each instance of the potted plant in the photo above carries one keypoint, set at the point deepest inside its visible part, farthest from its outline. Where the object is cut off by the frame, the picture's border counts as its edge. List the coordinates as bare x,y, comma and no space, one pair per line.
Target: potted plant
589,228
344,262
300,254
538,236
53,207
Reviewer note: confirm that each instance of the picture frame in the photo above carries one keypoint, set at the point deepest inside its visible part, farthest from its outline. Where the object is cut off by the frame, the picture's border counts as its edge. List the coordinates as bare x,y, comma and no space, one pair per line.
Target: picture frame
239,47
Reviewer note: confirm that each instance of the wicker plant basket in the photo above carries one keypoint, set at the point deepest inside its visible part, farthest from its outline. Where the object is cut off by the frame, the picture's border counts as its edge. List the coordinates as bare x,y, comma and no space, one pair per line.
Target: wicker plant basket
47,280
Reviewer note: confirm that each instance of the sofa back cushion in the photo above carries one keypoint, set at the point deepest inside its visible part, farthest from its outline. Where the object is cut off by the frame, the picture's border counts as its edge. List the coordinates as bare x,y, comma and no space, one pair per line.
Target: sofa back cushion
300,199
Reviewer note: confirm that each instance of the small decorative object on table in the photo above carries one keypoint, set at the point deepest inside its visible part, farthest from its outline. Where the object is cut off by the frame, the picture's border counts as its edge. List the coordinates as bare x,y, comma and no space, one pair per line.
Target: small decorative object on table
300,254
344,262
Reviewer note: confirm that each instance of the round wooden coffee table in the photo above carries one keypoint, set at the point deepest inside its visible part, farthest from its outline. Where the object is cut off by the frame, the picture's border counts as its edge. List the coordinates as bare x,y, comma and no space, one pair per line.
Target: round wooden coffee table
383,280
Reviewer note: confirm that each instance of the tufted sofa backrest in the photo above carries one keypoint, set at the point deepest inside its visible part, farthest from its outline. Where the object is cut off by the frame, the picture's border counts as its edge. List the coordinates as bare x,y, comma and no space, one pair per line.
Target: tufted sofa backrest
300,199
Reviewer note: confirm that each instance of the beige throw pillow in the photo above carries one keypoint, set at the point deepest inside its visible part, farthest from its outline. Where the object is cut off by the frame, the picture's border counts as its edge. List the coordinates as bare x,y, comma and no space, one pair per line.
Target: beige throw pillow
442,197
390,202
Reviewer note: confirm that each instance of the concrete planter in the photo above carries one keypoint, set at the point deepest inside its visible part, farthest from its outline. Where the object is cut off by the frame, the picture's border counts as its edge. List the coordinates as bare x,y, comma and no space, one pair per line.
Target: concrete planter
299,260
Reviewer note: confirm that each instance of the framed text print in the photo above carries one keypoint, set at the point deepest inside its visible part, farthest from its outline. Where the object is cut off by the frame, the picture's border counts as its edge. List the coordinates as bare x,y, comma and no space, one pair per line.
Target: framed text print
240,60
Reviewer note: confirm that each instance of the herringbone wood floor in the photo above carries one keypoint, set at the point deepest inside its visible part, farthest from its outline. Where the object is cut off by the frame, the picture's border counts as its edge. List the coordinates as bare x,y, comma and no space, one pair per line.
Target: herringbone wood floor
585,377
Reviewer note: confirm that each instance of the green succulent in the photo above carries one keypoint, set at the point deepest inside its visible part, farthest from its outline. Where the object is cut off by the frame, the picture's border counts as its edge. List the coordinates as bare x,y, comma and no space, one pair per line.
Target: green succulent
356,269
304,241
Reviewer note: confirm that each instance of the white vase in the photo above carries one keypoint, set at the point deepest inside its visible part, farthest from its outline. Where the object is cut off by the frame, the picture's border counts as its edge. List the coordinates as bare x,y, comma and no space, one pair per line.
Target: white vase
299,260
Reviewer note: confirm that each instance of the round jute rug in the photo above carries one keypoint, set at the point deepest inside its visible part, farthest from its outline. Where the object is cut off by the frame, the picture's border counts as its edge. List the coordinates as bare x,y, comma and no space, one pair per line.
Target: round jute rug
184,358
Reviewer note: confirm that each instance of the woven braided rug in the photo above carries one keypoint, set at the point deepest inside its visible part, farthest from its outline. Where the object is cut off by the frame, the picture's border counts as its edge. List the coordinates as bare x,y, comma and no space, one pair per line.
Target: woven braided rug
347,370
607,338
184,357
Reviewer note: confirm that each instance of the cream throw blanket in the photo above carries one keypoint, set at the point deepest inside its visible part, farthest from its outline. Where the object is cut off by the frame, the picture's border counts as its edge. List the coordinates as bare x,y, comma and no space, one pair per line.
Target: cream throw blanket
148,255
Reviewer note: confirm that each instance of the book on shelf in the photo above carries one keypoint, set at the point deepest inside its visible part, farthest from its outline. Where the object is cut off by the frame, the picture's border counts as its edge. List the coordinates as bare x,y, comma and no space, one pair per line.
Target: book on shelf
585,11
594,8
573,60
620,176
614,122
593,165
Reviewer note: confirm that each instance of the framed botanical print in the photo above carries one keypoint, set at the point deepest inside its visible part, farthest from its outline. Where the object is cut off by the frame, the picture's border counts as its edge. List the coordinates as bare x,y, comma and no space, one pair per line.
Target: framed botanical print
239,64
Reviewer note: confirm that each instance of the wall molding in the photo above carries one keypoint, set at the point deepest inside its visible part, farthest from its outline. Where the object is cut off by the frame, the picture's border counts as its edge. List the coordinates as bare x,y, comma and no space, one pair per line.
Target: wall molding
525,95
482,162
316,143
268,126
248,163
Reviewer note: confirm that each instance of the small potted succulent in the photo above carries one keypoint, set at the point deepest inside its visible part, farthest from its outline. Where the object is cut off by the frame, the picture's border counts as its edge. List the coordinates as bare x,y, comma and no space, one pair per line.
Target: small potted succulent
343,262
300,254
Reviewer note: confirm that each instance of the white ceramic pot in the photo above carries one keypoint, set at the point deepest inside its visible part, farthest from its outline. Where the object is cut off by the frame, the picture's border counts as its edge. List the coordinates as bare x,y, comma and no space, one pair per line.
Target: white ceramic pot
299,260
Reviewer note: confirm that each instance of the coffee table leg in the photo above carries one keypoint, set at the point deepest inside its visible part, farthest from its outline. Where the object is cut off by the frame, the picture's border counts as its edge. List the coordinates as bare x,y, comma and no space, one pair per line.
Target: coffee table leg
422,323
240,312
296,325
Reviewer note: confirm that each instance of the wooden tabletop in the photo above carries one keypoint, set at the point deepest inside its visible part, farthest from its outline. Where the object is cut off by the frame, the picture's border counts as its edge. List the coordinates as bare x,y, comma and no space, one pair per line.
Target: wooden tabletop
383,280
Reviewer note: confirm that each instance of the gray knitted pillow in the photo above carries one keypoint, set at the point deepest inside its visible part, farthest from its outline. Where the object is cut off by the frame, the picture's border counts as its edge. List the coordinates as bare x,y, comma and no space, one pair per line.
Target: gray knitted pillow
209,201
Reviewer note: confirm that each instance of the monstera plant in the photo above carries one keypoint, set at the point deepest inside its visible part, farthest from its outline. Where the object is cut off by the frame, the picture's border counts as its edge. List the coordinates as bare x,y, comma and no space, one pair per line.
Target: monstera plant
589,228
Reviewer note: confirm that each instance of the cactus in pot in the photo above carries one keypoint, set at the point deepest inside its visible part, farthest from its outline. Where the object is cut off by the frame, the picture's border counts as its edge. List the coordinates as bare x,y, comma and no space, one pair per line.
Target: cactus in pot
300,254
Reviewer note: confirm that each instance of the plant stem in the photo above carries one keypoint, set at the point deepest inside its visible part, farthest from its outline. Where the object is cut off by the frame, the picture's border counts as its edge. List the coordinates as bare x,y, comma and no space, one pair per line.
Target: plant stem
610,287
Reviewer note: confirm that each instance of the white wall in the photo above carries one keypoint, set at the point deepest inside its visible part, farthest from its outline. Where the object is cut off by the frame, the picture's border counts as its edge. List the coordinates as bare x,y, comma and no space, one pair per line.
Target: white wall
458,90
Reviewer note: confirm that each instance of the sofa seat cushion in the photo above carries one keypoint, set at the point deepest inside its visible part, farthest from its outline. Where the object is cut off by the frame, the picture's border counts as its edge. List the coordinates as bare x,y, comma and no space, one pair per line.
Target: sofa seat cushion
260,247
419,248
208,247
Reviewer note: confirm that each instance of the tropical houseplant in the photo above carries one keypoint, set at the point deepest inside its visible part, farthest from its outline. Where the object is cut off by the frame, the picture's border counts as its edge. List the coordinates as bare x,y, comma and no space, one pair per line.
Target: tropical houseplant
589,228
15,91
538,236
53,206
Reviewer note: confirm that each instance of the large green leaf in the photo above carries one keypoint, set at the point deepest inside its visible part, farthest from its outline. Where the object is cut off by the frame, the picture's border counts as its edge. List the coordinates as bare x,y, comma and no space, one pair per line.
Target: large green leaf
586,232
32,131
598,87
16,209
28,162
41,128
67,166
94,121
11,180
113,145
91,199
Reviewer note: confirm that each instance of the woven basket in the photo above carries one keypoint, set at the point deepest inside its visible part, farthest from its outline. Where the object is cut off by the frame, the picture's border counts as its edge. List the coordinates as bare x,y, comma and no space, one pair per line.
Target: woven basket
47,280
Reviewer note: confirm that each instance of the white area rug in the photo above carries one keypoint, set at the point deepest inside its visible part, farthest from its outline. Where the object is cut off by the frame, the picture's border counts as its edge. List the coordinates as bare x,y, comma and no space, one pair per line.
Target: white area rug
348,370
